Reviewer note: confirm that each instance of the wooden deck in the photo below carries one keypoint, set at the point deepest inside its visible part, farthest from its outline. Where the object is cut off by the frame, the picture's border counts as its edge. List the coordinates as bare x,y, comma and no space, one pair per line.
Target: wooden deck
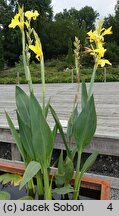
62,95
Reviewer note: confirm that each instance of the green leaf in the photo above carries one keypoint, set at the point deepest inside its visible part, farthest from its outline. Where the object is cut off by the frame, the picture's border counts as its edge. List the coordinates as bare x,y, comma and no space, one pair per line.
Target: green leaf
88,163
61,164
16,137
26,198
4,195
64,190
84,95
22,102
54,132
10,178
42,137
59,126
26,137
69,170
47,108
70,127
31,170
85,125
59,179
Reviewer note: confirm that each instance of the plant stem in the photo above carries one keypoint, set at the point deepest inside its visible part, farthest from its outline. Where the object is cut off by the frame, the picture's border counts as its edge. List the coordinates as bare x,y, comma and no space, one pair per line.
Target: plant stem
43,83
31,189
26,67
77,177
48,195
39,184
92,81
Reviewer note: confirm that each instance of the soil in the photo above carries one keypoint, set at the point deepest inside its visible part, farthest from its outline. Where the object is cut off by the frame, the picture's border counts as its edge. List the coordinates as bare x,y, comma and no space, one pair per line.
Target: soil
104,165
5,151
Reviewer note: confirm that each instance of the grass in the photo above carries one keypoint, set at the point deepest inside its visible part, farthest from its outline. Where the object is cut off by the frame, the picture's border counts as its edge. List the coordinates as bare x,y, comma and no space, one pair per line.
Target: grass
55,72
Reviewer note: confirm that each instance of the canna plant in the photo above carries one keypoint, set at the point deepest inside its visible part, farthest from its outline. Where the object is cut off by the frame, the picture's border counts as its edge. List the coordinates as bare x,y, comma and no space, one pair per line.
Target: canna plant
35,139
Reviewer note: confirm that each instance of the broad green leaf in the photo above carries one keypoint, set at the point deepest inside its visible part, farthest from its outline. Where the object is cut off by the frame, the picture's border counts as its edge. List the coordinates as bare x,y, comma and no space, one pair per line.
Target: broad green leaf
31,170
70,127
26,137
16,137
26,198
4,195
85,125
59,126
64,190
88,163
22,102
42,137
54,132
69,170
59,179
61,164
47,109
73,153
84,95
10,178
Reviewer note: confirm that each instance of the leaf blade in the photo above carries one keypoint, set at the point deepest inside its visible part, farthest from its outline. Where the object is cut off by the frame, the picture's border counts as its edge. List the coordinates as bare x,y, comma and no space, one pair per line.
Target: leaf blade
31,170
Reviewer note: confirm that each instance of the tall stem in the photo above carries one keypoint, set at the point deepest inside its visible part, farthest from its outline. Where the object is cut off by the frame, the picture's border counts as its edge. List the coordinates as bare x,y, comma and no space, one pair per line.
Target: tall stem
39,184
48,195
26,67
77,177
92,81
43,83
31,189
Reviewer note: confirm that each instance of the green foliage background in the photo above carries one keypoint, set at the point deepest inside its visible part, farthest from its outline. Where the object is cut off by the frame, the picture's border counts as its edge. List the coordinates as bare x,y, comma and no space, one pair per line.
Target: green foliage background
57,33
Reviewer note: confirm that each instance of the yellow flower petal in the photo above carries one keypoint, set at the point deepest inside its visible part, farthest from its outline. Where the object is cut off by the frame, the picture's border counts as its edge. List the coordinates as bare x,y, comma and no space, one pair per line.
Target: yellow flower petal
27,24
31,14
36,14
102,62
16,22
107,31
37,50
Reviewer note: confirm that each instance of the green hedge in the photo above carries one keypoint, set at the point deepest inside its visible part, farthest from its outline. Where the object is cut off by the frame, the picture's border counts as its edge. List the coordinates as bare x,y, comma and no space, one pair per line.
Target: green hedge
56,72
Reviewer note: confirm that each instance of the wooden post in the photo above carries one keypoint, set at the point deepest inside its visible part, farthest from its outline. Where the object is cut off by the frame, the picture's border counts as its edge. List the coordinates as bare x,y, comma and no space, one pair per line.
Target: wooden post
15,152
18,79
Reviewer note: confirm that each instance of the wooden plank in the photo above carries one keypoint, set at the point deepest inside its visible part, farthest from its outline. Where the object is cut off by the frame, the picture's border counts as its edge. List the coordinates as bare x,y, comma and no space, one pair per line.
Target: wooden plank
62,97
15,152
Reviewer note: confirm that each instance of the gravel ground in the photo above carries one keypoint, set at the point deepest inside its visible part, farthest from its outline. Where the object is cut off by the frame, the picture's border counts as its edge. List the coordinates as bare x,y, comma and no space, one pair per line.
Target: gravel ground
5,151
105,165
114,194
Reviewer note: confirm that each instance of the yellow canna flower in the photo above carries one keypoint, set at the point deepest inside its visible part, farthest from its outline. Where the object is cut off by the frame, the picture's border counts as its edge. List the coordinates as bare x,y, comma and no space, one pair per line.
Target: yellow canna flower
97,43
94,37
27,24
102,62
37,50
31,14
100,50
16,22
107,31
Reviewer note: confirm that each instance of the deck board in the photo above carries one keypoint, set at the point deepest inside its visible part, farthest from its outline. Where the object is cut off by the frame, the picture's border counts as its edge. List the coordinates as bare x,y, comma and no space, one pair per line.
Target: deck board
62,97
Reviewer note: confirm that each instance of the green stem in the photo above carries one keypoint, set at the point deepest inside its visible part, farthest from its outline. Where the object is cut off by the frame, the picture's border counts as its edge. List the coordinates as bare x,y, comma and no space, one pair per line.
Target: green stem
48,195
26,67
31,189
39,184
43,83
92,81
77,178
